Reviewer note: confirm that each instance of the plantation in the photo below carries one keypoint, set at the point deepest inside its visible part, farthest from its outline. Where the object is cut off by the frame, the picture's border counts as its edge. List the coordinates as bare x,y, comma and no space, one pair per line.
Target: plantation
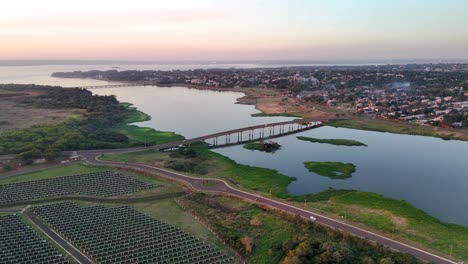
124,235
97,184
20,244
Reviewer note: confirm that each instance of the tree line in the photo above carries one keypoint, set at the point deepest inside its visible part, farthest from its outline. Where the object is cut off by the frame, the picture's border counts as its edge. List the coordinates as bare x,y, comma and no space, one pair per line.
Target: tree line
94,129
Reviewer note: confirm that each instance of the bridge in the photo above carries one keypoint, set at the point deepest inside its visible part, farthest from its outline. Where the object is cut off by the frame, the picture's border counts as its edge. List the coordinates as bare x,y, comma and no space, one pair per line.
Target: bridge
230,137
254,133
112,85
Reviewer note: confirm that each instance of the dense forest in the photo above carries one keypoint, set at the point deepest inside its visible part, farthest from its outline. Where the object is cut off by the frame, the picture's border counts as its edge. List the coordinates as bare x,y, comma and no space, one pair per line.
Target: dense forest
91,130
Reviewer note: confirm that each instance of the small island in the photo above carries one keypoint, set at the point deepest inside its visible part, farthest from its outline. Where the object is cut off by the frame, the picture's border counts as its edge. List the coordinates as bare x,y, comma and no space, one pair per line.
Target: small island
269,146
333,170
337,142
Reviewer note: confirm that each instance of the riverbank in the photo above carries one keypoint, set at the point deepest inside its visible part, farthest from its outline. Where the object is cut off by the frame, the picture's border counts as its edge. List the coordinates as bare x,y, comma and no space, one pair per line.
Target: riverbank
143,136
88,122
368,209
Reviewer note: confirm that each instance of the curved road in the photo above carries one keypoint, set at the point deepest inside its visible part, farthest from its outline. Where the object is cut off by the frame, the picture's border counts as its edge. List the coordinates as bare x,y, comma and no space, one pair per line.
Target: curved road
217,185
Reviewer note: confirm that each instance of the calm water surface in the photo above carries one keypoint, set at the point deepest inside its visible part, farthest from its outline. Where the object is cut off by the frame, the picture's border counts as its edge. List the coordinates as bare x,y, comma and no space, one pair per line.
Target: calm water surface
430,173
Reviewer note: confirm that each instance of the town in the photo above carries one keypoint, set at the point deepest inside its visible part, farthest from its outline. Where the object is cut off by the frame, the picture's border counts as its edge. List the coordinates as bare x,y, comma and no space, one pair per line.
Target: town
426,94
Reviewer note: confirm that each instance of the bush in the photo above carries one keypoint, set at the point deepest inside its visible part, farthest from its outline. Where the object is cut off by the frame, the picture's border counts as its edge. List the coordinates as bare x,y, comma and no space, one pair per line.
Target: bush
7,167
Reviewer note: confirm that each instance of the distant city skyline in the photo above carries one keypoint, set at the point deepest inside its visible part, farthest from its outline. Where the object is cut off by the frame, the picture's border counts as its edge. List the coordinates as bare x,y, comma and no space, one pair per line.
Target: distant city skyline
177,30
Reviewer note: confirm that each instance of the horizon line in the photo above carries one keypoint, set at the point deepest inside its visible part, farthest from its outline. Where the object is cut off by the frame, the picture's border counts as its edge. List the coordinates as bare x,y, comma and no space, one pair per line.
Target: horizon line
44,62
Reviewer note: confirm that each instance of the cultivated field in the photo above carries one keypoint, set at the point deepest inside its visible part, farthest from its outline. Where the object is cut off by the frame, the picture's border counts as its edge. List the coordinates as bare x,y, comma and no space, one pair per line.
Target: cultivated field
20,244
124,235
96,184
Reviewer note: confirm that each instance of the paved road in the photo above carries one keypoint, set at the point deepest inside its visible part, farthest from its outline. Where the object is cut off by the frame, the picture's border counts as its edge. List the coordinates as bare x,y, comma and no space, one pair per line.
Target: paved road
216,185
70,249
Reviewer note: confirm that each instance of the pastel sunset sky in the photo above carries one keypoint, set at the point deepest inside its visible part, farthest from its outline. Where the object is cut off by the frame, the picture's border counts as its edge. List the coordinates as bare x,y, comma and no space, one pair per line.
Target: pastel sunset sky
234,30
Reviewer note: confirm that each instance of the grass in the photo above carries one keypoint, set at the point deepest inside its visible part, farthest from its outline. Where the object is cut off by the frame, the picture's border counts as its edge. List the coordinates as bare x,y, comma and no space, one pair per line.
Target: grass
400,218
321,196
334,170
263,146
337,142
264,180
54,172
253,146
273,236
146,156
135,115
400,128
370,209
170,212
143,135
147,136
277,114
267,181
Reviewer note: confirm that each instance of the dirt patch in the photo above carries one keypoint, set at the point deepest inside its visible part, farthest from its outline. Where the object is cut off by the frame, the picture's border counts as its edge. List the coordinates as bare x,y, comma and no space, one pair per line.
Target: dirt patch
399,221
13,116
255,221
248,244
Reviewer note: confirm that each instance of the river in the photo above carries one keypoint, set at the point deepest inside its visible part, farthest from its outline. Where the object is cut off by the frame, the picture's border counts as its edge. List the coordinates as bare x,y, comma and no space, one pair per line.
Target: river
430,173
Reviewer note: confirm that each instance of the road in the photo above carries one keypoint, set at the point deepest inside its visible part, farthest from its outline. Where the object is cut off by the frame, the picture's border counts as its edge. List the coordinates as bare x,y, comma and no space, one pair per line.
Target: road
220,186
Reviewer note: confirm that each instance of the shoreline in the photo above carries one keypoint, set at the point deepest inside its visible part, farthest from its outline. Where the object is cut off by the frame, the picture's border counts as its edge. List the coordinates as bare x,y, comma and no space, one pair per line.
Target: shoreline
271,102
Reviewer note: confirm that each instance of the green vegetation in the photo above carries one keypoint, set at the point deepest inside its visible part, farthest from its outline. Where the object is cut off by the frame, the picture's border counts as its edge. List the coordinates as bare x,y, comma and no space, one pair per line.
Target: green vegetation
277,114
321,196
338,142
200,161
398,128
103,124
263,146
143,135
370,209
168,210
54,172
147,136
334,170
398,218
263,236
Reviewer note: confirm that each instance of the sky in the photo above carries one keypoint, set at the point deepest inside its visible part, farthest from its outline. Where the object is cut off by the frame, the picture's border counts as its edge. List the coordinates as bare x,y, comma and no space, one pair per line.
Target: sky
233,30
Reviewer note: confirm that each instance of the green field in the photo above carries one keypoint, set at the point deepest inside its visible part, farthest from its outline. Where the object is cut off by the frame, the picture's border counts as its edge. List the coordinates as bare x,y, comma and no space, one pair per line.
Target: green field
337,142
334,170
143,135
54,172
399,218
207,163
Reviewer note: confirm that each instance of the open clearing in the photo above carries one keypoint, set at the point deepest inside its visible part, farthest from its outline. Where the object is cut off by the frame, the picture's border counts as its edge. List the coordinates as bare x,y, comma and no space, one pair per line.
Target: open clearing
15,116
